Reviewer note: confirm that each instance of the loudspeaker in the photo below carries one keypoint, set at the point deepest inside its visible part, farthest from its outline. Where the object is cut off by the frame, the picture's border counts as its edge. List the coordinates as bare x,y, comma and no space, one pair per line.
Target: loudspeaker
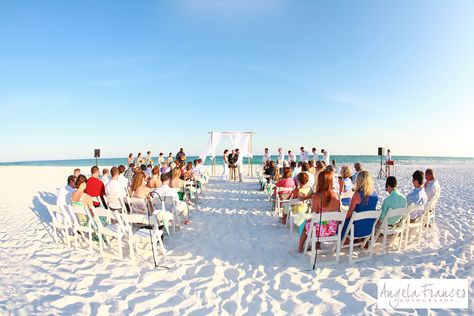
381,151
96,153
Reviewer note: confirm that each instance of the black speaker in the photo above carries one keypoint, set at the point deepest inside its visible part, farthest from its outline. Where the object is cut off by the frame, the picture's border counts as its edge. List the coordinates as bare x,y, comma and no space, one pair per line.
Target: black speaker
381,151
96,153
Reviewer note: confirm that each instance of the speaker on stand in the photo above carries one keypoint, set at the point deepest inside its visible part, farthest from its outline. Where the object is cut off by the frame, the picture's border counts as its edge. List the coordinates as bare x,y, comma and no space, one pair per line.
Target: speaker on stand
96,155
381,153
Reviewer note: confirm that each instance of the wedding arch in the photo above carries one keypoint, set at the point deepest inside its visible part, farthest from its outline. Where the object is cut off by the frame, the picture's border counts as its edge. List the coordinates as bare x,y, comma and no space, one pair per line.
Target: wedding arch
240,140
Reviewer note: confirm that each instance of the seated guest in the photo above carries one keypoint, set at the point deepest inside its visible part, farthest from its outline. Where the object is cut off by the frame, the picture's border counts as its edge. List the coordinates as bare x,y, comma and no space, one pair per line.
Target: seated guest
129,173
303,192
155,181
148,170
393,201
270,171
139,188
298,167
418,195
65,193
319,168
324,200
95,187
115,189
345,183
121,178
105,176
277,175
312,167
188,172
294,171
286,181
80,198
333,164
357,168
175,181
432,187
305,169
165,167
364,199
197,171
166,192
77,172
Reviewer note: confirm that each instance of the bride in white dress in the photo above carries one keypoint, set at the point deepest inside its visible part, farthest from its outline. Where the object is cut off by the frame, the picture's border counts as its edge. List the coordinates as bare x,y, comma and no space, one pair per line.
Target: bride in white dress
225,173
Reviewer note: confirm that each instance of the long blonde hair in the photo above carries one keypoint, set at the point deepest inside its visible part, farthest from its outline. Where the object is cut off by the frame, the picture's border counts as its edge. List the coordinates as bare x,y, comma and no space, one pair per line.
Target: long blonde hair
364,184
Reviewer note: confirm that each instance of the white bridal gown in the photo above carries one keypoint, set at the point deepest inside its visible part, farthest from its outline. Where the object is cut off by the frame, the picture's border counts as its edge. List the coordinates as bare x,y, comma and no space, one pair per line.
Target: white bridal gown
225,173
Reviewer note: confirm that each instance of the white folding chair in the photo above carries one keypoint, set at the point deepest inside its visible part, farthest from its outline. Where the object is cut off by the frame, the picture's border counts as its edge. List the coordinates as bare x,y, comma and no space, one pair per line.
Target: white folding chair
148,235
166,204
430,217
113,227
317,218
357,216
83,224
398,229
416,224
60,220
290,217
279,202
116,203
137,205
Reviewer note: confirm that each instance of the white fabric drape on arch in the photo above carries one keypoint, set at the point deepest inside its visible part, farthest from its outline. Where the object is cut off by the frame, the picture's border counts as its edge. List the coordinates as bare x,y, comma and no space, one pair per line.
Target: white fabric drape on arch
238,140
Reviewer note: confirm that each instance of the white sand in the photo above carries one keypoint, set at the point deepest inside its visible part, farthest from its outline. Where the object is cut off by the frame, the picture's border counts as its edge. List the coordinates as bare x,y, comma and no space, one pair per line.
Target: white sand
234,258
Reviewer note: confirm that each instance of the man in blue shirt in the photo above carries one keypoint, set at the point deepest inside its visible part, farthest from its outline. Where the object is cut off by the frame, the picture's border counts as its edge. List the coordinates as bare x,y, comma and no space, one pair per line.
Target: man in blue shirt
417,197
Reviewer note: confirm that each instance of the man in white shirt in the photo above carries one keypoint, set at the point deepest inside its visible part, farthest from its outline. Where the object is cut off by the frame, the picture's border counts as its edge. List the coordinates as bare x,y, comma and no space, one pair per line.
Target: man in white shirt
114,189
64,194
281,155
315,154
291,156
432,187
325,156
105,176
417,197
121,178
266,156
166,192
303,155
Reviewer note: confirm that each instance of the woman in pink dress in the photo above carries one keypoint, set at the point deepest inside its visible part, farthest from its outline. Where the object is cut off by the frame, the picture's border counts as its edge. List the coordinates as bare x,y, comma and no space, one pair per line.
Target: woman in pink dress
324,200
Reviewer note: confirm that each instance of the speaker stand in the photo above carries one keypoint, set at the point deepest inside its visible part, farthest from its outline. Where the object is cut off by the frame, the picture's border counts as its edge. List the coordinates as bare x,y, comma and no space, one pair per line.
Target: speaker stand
381,171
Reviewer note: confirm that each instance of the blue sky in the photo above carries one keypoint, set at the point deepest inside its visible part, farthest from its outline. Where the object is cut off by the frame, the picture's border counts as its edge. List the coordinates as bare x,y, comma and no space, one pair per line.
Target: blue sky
127,76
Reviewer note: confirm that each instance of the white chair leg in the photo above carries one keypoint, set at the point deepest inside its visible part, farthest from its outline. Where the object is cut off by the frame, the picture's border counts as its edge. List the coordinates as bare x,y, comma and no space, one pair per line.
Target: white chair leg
120,246
291,223
132,254
351,247
384,242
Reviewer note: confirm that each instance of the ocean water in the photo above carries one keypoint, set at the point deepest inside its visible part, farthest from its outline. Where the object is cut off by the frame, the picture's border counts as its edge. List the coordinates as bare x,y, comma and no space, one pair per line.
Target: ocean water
257,160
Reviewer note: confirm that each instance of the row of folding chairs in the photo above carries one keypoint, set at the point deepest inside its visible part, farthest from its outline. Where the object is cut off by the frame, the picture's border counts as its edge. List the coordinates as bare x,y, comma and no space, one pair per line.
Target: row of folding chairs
78,226
405,230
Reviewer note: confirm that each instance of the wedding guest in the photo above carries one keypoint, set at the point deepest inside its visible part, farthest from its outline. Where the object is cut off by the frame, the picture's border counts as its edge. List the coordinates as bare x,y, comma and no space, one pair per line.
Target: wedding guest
64,194
95,187
165,191
76,172
364,199
114,189
105,176
270,171
324,200
122,179
432,187
189,171
155,181
80,198
345,183
139,188
357,168
165,167
393,201
303,192
175,181
294,169
291,156
148,170
418,195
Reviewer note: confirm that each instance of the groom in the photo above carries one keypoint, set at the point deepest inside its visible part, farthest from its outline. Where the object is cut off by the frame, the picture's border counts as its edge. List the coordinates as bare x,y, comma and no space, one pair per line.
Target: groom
237,164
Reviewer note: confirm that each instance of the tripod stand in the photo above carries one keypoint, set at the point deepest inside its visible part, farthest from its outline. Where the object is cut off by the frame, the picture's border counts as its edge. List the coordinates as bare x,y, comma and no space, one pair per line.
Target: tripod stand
381,171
